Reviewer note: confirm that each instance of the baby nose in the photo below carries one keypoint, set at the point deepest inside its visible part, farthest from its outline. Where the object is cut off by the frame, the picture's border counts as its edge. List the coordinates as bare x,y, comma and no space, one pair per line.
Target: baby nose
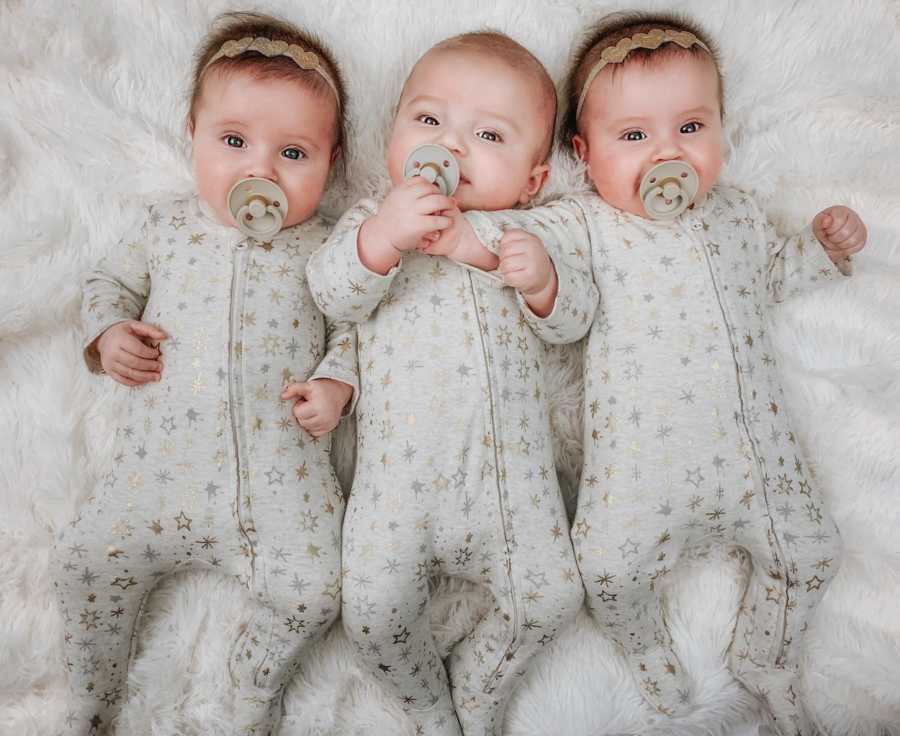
666,150
262,168
453,141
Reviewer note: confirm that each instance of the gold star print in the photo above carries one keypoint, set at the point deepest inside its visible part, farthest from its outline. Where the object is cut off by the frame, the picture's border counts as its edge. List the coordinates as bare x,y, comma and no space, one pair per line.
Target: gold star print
183,521
581,528
122,529
312,550
333,589
156,527
814,583
301,471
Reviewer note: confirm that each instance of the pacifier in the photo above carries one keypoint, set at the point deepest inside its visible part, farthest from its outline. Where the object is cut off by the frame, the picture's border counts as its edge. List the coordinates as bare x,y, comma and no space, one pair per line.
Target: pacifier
436,164
668,189
258,207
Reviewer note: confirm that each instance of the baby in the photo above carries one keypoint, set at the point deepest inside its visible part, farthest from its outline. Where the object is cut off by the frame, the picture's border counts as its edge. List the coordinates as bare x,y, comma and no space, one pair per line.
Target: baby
455,471
685,434
208,324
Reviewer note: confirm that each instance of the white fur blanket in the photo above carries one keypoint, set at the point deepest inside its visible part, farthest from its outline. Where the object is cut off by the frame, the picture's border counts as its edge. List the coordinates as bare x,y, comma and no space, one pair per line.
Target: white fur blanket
92,102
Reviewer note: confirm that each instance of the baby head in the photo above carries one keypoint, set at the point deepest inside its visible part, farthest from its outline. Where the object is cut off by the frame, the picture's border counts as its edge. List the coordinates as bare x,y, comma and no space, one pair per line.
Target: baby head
267,101
491,102
631,107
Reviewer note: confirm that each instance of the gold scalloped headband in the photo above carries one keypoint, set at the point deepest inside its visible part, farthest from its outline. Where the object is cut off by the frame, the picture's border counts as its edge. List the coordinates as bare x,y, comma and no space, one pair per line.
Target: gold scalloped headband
649,40
306,60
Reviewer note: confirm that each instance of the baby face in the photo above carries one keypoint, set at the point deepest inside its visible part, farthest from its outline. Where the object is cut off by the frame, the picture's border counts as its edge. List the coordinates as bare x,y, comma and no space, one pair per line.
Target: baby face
645,115
491,117
275,129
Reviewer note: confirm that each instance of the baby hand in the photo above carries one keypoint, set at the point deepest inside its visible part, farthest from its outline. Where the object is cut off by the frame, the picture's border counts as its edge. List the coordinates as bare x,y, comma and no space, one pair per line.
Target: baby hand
319,404
840,231
129,352
524,263
445,242
410,211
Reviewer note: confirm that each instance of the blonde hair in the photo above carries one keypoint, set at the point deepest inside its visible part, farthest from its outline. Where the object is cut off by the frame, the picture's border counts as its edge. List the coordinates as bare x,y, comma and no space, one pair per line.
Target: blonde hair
613,28
235,26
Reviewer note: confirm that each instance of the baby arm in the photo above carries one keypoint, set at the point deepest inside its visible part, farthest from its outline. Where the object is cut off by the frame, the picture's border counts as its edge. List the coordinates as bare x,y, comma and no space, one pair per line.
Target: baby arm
460,243
411,211
115,294
818,253
353,271
546,252
330,393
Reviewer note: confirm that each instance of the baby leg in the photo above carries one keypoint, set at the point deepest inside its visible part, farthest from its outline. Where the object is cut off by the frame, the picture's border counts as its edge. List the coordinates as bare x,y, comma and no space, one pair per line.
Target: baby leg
622,572
105,564
535,594
385,614
789,573
296,577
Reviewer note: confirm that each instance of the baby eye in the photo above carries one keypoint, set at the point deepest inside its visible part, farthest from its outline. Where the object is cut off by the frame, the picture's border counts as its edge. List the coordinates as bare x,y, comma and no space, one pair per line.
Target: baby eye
428,120
692,127
489,135
235,141
295,154
634,135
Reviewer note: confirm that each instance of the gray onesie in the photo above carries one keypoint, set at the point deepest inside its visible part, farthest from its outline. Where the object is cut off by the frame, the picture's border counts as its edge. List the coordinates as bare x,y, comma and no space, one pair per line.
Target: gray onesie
455,471
210,467
686,438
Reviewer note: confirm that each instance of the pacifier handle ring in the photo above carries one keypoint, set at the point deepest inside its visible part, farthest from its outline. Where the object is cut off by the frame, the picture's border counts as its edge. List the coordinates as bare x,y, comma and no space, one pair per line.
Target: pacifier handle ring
429,171
668,189
258,206
436,164
248,213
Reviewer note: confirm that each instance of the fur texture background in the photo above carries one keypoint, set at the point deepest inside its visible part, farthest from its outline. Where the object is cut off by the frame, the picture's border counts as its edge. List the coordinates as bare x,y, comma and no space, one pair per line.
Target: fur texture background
92,104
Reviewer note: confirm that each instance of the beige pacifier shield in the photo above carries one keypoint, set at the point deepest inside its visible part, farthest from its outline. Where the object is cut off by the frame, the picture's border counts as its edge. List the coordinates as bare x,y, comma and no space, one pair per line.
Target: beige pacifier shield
668,189
436,164
258,206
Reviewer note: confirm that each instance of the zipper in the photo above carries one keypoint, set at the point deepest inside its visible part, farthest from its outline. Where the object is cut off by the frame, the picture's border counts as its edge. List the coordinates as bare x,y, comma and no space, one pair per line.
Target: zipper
756,455
235,375
503,510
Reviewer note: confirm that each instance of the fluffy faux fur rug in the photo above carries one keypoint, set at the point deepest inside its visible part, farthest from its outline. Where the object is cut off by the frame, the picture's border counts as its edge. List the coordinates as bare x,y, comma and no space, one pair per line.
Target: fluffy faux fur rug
92,124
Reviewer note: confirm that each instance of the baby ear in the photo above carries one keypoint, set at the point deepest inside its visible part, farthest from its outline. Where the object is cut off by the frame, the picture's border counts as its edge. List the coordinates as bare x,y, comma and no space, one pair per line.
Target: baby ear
536,179
336,154
581,147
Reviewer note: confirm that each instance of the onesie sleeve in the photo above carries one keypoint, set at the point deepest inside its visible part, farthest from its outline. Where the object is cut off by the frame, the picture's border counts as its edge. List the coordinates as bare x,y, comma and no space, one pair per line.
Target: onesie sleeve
117,289
342,287
562,227
340,361
796,263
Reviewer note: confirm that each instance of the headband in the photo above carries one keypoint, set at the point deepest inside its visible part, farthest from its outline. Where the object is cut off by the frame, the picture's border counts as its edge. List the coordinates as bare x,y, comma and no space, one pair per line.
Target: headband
649,40
306,60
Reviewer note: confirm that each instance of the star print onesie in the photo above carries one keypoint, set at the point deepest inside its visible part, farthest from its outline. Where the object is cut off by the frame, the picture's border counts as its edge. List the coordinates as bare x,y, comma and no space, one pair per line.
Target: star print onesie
210,467
455,471
686,439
